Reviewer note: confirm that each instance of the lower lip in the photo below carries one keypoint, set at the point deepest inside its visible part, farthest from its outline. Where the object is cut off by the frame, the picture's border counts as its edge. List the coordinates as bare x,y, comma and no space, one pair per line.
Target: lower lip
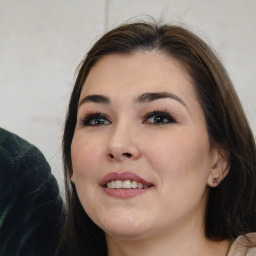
124,193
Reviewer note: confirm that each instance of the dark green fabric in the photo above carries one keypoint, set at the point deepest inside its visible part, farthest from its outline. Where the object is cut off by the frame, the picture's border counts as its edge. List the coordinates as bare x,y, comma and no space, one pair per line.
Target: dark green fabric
30,203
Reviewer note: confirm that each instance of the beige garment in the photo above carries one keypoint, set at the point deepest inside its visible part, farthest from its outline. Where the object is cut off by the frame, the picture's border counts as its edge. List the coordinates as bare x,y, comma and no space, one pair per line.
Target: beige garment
241,246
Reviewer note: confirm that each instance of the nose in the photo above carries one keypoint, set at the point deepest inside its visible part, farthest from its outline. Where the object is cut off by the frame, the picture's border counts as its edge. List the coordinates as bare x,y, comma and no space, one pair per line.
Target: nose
123,144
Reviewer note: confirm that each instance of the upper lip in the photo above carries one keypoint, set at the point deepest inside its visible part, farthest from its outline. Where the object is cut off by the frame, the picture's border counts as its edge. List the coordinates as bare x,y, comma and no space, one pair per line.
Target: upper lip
123,176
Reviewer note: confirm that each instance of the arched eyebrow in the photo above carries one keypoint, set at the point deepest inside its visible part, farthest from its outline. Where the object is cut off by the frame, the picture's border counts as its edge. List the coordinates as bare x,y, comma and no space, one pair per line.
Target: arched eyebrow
143,98
96,98
151,96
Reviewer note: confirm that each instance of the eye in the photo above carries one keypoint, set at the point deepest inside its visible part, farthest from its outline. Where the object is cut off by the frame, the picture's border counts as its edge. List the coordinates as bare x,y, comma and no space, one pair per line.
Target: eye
95,119
159,118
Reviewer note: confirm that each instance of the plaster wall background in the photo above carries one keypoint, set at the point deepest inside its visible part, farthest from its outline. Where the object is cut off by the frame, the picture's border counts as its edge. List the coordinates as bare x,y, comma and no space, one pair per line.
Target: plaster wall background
43,41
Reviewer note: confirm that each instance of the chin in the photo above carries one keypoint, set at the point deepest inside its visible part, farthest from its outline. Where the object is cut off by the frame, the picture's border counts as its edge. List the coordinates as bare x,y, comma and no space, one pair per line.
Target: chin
122,234
125,228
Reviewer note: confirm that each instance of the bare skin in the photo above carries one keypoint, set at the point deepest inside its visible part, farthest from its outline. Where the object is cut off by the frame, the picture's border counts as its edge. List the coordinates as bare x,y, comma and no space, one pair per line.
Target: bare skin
163,140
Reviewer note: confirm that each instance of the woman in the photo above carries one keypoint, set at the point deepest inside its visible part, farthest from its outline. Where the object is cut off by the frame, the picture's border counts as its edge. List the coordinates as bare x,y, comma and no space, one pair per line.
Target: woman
157,148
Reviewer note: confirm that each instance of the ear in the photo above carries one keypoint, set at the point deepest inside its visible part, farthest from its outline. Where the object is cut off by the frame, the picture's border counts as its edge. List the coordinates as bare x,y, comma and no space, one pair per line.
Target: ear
72,179
219,167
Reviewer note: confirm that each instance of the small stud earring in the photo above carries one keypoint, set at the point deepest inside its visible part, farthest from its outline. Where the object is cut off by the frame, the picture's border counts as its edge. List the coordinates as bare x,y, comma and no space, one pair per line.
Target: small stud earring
215,180
72,182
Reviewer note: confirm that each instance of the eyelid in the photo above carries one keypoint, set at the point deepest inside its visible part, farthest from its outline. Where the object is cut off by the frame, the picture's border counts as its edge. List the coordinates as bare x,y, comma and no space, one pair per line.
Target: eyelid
84,120
163,112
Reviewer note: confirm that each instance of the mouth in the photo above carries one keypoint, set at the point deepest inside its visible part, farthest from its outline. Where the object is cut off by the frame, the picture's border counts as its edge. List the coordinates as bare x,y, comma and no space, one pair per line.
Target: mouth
124,184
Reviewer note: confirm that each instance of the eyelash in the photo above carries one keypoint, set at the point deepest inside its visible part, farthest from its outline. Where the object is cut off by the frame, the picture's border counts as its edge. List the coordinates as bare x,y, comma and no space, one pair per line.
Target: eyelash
163,114
86,121
166,114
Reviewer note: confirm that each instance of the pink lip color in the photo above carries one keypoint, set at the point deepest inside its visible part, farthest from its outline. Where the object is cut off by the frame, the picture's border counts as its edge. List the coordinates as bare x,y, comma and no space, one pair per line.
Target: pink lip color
124,193
123,176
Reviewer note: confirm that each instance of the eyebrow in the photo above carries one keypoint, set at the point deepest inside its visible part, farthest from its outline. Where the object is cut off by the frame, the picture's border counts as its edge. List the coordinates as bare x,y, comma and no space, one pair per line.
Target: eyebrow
143,98
96,99
151,96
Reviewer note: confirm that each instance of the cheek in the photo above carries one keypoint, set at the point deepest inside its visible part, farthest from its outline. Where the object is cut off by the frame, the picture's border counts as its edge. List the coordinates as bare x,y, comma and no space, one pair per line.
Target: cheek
85,156
181,159
182,164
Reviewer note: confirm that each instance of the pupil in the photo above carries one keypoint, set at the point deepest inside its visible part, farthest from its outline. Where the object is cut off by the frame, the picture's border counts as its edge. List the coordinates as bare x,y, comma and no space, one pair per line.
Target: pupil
99,121
158,119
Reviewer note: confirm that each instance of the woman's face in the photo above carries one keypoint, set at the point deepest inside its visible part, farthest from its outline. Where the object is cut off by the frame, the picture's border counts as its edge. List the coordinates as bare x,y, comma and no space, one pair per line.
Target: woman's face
140,152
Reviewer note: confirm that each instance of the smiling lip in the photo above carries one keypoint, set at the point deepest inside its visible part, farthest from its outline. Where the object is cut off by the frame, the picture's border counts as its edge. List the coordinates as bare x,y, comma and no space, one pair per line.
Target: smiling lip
123,176
124,193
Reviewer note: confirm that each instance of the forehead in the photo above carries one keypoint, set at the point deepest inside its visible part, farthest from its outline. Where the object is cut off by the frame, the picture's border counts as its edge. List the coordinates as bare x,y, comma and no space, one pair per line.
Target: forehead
137,73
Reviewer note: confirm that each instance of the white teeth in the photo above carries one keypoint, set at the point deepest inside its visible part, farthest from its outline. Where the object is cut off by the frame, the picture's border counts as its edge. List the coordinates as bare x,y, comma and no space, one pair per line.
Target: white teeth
119,184
140,185
113,184
125,184
134,184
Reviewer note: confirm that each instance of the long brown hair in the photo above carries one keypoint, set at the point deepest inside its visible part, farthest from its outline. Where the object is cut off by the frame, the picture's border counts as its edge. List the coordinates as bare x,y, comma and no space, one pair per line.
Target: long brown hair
231,207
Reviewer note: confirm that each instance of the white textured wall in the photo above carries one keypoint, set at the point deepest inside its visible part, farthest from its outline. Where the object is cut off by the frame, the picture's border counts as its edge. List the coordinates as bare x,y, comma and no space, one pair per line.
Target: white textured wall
42,42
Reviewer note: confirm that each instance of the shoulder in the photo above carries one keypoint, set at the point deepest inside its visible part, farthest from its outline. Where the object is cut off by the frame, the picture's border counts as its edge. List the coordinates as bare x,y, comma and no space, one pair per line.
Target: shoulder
30,202
14,150
244,246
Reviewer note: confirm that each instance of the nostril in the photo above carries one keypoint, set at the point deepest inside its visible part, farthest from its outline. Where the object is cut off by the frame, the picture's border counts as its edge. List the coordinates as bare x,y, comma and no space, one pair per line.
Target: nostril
119,156
127,155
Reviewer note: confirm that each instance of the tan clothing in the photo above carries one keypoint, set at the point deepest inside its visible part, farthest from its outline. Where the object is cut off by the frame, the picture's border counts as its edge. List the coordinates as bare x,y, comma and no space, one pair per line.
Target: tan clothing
241,246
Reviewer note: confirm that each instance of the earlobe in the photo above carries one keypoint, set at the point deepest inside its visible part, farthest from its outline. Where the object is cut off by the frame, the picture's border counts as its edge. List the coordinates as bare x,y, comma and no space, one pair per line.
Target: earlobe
71,178
219,167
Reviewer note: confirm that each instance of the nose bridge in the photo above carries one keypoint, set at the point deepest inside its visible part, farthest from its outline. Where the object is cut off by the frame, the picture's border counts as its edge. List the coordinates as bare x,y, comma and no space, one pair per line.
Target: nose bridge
122,143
